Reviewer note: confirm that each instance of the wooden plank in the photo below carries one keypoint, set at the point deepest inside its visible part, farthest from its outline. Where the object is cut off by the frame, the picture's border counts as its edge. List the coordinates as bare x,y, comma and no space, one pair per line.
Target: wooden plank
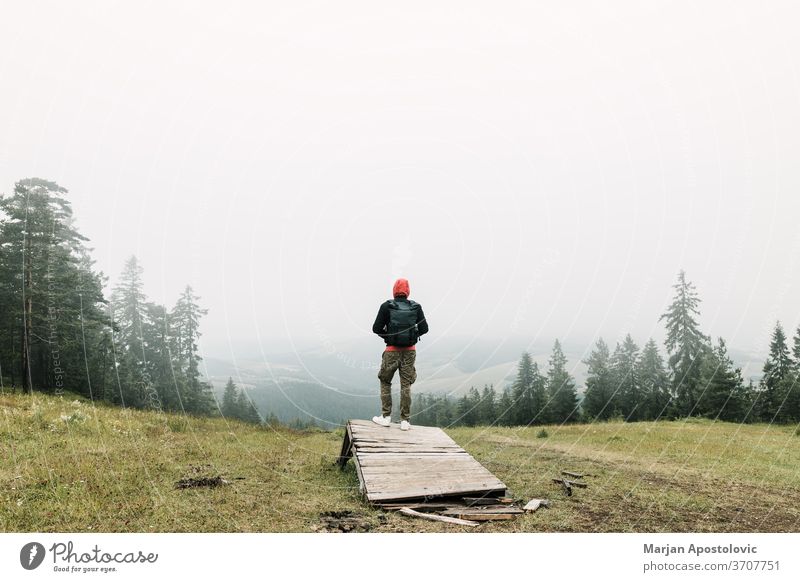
394,465
347,447
412,453
575,475
569,483
434,517
419,493
361,482
535,504
451,477
485,517
483,511
478,501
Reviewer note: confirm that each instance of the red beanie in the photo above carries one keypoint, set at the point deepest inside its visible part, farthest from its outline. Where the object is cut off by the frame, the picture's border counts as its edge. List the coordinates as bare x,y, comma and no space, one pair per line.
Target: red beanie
401,288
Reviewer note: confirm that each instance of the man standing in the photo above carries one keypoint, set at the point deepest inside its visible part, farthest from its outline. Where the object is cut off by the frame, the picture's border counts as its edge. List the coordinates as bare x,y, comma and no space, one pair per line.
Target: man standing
400,323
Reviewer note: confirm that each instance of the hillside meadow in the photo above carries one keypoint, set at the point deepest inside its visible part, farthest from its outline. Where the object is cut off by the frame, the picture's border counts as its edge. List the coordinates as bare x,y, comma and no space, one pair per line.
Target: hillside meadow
69,465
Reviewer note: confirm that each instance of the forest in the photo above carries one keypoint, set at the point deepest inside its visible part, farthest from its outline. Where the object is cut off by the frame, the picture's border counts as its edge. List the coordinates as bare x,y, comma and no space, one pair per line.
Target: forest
698,379
60,331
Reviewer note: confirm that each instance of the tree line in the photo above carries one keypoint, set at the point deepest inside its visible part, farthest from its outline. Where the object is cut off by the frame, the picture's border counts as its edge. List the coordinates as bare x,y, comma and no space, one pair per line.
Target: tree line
697,379
59,331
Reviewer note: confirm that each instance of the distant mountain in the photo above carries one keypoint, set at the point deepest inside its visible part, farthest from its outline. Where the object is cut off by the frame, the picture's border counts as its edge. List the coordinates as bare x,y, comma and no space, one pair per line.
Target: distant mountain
339,381
328,385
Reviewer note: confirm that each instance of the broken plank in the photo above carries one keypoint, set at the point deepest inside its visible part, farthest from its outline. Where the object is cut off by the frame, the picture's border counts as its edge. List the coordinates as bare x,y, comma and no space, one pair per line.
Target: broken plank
485,516
472,501
434,517
535,504
465,512
575,475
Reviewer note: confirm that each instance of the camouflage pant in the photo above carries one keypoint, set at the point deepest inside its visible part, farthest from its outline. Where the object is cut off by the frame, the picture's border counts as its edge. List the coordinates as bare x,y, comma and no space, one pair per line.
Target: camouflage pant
390,363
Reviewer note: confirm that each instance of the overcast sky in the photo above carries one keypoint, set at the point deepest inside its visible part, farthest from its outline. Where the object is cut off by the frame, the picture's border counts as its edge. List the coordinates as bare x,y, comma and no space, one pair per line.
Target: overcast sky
535,169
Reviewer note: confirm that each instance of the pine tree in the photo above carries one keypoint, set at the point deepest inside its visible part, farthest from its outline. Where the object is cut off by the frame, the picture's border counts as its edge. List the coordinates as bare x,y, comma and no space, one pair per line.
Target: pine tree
505,408
563,399
654,383
52,300
789,394
776,369
468,406
247,411
444,411
723,396
185,319
129,309
600,396
624,366
487,413
790,387
527,393
230,404
796,349
686,345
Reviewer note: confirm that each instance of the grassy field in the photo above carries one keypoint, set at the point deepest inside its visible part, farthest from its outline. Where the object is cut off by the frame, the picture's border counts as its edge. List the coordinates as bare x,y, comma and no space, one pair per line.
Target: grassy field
68,465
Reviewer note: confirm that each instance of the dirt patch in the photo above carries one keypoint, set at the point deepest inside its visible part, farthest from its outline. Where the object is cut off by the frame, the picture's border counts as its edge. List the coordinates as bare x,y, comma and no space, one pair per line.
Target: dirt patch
346,522
190,482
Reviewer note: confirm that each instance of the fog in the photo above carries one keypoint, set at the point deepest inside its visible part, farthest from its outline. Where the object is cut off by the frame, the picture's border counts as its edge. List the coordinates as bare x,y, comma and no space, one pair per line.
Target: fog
535,170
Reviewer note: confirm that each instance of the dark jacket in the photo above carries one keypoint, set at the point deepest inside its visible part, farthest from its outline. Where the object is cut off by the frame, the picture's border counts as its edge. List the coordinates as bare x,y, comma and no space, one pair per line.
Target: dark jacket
382,320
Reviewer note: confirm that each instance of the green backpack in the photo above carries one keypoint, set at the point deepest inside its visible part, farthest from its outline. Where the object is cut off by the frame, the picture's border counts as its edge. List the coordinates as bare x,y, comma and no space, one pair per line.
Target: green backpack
402,328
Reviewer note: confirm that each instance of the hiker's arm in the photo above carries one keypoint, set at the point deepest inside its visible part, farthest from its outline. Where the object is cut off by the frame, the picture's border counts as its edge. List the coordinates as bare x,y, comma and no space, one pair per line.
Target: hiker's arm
381,321
422,323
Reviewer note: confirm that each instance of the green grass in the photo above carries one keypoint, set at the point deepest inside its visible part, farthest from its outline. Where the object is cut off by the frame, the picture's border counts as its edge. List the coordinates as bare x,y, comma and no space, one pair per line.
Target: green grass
70,465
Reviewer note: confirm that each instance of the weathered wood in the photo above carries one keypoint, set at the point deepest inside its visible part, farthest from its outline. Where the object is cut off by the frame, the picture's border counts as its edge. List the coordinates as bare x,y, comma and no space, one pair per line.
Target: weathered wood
423,463
565,484
410,494
478,501
434,517
422,506
535,504
361,487
484,516
347,448
466,511
575,475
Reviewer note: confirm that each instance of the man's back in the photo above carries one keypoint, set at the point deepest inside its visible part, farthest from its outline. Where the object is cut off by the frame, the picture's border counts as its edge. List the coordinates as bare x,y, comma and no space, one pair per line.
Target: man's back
400,322
381,327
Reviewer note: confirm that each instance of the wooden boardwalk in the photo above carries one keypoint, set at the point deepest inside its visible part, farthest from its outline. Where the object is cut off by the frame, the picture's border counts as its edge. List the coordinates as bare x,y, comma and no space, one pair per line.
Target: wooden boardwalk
418,464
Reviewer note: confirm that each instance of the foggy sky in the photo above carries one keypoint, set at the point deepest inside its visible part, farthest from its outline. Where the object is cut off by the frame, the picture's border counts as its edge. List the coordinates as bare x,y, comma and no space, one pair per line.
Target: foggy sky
534,170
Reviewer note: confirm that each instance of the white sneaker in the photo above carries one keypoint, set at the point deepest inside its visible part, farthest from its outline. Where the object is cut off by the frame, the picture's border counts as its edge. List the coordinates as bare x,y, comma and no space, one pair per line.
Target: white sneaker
405,425
382,420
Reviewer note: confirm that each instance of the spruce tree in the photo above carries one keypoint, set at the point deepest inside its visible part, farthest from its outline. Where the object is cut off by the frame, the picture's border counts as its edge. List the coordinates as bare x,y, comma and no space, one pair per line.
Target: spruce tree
624,366
723,396
654,382
528,393
505,408
686,345
230,405
52,318
791,385
487,413
468,406
185,319
600,396
247,411
563,399
796,349
776,369
129,310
